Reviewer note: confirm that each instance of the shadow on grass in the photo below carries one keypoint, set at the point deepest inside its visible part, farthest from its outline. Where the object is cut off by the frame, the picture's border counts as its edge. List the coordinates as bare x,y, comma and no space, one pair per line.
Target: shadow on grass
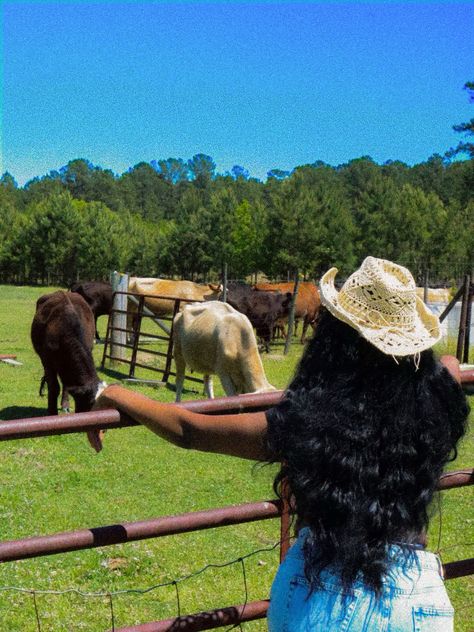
116,375
21,412
123,377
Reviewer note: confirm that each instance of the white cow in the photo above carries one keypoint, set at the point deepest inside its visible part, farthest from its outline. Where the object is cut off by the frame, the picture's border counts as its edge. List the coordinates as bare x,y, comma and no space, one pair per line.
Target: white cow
214,338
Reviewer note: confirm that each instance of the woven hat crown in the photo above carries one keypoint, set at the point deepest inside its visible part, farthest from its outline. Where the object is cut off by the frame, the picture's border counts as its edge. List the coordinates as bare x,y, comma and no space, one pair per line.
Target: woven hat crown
380,294
379,300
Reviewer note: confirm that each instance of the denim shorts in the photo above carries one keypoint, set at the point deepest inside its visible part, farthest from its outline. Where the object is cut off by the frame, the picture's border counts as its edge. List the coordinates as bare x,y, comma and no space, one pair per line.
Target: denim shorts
413,598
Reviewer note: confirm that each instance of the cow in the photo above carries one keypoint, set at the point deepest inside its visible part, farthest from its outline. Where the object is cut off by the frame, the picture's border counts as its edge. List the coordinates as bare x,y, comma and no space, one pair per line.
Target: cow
307,301
99,296
263,309
214,338
186,290
62,333
435,295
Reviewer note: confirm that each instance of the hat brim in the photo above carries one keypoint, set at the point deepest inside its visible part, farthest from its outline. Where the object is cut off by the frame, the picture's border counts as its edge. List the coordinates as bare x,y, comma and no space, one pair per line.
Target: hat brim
390,340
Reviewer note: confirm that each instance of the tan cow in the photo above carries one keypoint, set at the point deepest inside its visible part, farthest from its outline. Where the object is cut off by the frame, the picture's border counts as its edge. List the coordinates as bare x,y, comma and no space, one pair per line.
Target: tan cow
214,338
307,302
175,289
435,295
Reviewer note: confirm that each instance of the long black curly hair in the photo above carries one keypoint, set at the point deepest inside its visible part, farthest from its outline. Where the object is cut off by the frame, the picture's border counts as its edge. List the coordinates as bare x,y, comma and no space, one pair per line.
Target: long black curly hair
364,439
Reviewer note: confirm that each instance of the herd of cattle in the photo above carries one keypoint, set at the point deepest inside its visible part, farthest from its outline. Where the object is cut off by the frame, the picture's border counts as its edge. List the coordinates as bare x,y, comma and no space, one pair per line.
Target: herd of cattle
210,336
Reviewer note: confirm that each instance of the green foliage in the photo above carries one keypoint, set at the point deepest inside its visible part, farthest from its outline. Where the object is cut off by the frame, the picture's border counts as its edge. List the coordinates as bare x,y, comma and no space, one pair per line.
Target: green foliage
465,147
176,217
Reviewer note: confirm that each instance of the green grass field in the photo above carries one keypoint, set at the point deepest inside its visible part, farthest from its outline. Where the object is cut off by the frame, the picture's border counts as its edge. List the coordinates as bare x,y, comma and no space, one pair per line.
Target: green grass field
58,483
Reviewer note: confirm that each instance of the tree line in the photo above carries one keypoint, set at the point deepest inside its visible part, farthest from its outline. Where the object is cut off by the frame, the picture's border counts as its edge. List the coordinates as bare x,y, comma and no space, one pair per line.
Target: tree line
181,218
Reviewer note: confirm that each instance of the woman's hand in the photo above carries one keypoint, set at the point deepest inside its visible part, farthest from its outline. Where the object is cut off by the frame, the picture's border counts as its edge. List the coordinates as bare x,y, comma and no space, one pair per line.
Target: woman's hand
96,437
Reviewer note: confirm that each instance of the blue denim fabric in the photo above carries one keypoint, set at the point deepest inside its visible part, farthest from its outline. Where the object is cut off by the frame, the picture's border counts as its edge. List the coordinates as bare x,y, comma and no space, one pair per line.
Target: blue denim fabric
413,598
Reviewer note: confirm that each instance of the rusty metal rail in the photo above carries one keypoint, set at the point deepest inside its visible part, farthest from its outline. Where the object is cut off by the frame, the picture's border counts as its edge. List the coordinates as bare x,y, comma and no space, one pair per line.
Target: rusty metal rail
108,419
68,541
206,620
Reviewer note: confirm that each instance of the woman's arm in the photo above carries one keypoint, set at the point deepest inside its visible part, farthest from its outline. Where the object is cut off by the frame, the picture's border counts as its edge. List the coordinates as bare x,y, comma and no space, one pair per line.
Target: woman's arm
241,435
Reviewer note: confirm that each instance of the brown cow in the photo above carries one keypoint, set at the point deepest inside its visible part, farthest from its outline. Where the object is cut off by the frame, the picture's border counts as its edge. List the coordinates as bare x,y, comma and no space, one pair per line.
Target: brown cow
307,301
62,334
99,296
263,309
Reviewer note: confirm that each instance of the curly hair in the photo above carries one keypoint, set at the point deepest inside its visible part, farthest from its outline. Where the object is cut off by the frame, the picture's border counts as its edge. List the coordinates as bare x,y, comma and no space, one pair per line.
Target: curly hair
364,438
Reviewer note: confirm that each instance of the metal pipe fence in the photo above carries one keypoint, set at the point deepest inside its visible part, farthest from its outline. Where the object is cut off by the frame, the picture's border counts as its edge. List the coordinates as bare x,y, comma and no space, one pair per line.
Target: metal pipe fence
171,525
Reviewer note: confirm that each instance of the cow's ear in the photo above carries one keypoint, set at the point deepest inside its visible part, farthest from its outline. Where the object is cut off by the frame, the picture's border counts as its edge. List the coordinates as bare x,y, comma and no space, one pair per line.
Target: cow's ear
215,288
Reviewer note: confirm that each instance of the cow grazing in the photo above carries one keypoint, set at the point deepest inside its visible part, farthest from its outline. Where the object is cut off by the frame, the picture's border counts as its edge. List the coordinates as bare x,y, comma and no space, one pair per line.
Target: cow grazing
307,301
263,309
214,338
62,334
99,296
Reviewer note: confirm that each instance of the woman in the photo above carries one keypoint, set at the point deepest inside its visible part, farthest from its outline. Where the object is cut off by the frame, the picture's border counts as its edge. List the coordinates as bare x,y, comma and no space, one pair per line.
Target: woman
364,431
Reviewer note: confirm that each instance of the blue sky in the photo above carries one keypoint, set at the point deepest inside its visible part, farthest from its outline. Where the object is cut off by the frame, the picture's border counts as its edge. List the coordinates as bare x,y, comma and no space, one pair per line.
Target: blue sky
262,85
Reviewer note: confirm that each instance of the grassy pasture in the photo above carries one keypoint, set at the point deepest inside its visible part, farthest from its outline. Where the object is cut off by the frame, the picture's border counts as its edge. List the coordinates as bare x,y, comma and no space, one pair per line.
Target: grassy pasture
58,483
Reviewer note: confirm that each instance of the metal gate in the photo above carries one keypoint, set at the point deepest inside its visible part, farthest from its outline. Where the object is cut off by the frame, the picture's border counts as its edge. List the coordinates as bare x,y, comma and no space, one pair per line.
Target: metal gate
125,338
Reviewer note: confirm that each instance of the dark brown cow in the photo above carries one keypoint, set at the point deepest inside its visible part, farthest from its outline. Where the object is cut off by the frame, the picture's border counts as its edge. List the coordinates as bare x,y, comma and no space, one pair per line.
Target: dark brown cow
62,334
307,301
263,309
98,294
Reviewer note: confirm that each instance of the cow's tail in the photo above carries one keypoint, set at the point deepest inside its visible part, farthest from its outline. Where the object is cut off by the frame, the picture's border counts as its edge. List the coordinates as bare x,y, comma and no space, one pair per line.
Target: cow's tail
42,385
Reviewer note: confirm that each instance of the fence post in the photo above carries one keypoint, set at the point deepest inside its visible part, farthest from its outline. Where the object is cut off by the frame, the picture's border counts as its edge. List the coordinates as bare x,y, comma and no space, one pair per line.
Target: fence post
285,520
462,319
291,317
137,324
119,317
224,283
425,286
467,334
169,354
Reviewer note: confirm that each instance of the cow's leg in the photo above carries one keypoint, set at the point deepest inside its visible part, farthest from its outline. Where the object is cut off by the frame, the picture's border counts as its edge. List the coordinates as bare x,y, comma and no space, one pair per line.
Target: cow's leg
65,400
306,323
267,337
179,384
303,332
295,327
228,385
53,393
97,337
208,387
180,369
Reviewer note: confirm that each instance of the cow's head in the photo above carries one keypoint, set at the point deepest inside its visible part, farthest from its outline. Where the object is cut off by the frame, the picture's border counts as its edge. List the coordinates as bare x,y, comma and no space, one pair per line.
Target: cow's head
216,291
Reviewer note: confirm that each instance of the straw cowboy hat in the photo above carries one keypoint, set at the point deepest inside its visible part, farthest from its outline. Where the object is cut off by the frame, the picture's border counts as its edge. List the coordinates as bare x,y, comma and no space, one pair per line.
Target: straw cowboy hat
379,300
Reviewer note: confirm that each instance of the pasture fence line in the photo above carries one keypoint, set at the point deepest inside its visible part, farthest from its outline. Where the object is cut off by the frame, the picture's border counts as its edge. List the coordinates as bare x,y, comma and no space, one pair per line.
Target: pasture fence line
171,525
